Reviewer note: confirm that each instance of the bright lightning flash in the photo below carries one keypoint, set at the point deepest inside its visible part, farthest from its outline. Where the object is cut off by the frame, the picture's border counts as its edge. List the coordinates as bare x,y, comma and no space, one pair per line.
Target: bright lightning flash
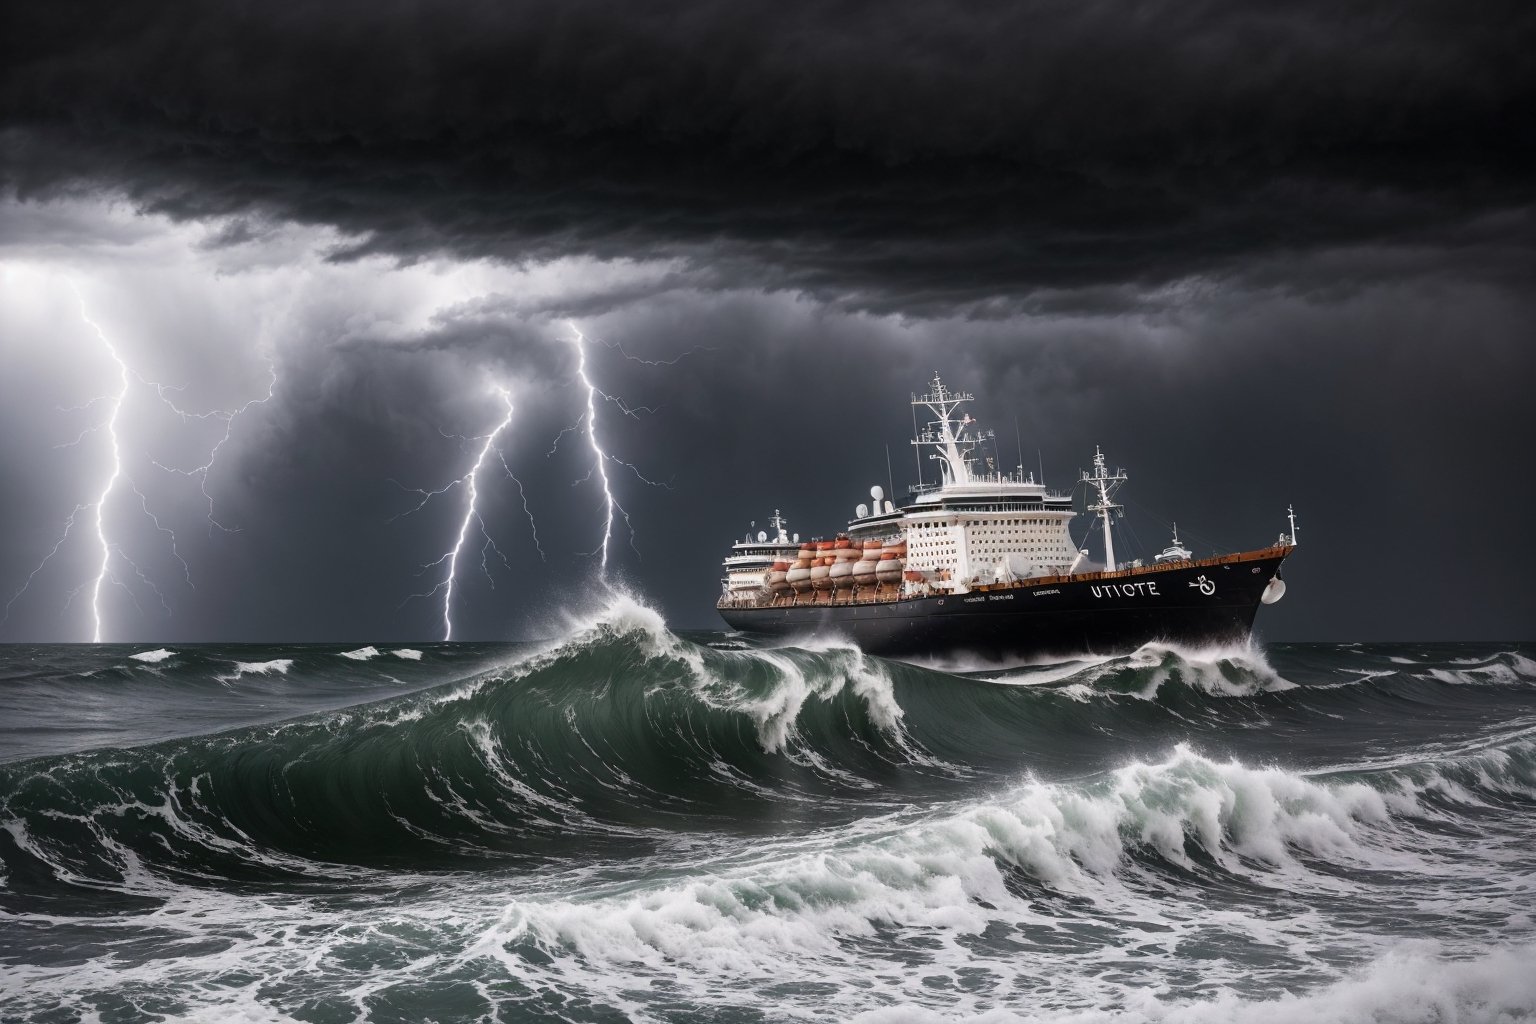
111,552
105,569
470,481
600,457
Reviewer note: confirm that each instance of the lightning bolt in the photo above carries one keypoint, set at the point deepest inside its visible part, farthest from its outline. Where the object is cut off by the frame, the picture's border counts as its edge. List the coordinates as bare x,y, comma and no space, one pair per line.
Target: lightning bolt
470,481
105,569
111,553
600,456
228,416
618,347
533,526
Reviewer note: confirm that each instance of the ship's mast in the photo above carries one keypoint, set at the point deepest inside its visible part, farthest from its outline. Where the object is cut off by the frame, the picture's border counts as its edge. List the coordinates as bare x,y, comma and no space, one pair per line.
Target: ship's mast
780,526
1291,512
944,432
1106,482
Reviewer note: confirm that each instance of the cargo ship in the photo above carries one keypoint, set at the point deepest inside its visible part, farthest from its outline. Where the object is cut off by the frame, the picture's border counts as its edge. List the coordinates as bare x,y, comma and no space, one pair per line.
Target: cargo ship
983,562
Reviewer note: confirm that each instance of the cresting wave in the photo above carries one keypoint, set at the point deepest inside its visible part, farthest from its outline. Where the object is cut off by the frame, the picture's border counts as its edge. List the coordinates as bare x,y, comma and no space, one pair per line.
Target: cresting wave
635,823
261,668
626,732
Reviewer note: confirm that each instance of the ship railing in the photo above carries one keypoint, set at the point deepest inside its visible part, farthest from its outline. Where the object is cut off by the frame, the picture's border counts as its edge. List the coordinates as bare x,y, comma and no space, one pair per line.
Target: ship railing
892,596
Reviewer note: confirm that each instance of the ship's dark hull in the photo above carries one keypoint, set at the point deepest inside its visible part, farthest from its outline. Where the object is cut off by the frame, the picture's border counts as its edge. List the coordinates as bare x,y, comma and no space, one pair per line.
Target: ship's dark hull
1192,604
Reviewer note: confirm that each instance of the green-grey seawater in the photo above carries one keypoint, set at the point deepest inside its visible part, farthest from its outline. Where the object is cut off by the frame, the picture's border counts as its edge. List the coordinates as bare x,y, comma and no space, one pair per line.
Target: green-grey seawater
629,824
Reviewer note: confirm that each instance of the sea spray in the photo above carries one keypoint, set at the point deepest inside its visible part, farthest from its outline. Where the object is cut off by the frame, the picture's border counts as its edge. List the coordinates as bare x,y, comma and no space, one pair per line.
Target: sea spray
628,822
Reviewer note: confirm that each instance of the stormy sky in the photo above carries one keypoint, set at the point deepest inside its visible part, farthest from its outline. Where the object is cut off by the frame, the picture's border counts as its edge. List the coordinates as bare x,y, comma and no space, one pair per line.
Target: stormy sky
1262,254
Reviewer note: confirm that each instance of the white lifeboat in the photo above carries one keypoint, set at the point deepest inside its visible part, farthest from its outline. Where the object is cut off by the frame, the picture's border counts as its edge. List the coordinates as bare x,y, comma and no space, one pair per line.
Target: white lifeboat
841,573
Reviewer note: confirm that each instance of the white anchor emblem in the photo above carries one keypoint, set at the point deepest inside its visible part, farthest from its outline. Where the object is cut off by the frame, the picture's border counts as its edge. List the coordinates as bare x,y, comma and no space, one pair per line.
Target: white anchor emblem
1207,587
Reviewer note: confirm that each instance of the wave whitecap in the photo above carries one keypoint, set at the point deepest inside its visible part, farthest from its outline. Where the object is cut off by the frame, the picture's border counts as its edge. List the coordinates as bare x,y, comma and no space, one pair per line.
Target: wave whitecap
153,657
279,666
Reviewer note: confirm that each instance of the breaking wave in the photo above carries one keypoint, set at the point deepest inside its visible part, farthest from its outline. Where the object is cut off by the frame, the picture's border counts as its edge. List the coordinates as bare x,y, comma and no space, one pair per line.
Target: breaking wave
525,832
260,668
626,732
153,657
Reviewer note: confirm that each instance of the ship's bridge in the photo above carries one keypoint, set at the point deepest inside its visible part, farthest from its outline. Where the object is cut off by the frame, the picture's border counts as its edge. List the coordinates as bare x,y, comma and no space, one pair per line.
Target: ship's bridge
986,487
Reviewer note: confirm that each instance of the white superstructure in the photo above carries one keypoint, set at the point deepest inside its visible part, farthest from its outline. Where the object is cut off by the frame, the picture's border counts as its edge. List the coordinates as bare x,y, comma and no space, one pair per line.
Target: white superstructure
753,557
976,525
974,528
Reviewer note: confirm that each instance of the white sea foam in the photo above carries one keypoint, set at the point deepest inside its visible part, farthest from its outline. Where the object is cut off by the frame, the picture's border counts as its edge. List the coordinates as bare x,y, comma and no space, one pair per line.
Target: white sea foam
153,657
834,665
919,916
939,877
936,884
1227,670
361,654
1410,984
409,654
1508,668
260,668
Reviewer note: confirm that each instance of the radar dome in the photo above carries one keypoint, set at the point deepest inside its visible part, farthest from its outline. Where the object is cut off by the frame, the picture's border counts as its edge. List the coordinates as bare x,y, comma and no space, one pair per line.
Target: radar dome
761,536
878,493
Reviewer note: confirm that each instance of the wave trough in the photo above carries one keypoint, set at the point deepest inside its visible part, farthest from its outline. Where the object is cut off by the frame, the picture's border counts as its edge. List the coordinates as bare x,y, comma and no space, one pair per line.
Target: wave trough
632,823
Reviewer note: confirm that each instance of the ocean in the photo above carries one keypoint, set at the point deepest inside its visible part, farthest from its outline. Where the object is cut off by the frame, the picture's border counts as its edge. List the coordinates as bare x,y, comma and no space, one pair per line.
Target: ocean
634,824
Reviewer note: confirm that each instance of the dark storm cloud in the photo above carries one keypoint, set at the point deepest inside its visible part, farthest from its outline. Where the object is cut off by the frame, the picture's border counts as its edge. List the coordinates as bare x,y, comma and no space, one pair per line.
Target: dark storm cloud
904,155
1375,415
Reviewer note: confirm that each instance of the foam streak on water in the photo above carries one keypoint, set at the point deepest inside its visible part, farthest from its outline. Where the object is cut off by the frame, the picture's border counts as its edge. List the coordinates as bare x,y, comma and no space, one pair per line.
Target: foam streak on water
629,824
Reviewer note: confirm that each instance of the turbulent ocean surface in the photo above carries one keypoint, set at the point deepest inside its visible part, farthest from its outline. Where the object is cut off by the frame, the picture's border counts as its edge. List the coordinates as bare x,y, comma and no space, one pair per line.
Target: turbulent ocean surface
630,824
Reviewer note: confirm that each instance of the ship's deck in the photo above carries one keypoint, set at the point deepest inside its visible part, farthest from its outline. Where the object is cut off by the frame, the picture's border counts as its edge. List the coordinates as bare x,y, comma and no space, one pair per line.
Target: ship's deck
890,594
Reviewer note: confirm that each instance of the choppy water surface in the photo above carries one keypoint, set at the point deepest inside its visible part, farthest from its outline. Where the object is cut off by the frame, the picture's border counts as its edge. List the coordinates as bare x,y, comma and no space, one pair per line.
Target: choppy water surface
635,825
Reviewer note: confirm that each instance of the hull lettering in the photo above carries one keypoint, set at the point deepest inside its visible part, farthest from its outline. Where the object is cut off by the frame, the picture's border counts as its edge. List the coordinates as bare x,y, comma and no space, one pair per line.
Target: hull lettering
1144,588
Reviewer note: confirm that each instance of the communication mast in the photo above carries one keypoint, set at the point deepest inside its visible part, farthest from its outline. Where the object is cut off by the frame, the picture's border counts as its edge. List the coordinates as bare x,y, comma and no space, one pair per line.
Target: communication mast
946,433
1106,482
